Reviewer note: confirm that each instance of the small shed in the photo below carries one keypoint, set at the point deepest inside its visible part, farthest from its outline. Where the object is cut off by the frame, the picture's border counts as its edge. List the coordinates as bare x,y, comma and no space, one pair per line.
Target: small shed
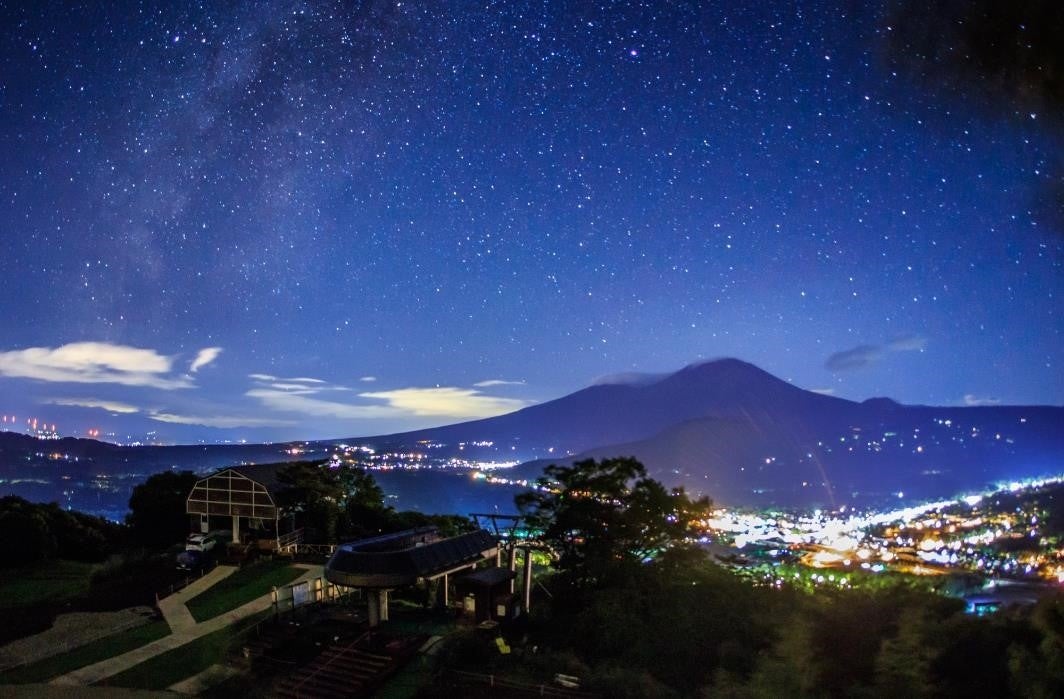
490,590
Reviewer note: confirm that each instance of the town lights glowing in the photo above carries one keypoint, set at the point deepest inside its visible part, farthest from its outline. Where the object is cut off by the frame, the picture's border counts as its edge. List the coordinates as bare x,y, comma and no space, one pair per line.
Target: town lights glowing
968,533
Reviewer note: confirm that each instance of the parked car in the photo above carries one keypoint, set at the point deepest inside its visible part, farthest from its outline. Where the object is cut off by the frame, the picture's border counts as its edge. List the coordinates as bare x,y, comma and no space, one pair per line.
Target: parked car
200,542
193,560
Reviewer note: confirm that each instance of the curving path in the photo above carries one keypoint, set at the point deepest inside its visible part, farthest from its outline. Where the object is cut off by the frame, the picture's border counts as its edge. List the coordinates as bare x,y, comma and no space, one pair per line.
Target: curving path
183,626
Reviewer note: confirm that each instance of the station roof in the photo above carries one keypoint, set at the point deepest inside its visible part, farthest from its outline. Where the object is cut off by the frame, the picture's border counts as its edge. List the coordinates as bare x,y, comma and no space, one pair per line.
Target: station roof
401,559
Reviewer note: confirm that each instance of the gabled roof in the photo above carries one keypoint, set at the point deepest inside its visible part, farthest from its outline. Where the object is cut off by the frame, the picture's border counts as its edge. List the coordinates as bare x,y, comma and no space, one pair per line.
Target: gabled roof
265,474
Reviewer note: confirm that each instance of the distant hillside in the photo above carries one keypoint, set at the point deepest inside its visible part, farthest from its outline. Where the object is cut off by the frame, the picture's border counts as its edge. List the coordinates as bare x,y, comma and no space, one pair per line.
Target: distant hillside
724,428
18,450
743,436
619,412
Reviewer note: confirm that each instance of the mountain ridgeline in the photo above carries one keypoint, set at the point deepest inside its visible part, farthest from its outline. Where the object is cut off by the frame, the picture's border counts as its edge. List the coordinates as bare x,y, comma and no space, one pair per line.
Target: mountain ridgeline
723,428
733,431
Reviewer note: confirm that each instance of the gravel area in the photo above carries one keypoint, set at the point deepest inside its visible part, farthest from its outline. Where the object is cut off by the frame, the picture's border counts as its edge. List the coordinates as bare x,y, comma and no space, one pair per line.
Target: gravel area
70,631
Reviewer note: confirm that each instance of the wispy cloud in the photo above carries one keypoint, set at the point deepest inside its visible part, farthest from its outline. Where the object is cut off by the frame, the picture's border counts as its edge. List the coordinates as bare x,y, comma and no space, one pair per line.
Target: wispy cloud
316,398
824,391
303,402
299,395
269,378
864,356
93,362
111,406
627,378
856,358
367,379
299,385
446,401
204,357
220,421
972,400
498,382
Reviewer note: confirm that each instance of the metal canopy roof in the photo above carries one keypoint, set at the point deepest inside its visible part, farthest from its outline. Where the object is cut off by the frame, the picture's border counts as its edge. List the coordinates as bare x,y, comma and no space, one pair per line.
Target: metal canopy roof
401,559
230,492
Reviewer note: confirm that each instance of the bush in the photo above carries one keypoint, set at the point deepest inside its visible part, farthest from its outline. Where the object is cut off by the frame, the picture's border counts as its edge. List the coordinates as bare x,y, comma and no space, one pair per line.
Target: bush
32,532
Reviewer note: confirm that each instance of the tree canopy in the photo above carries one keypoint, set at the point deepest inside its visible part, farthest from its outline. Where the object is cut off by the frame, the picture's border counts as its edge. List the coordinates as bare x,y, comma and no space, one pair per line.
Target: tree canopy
157,516
31,532
345,502
598,515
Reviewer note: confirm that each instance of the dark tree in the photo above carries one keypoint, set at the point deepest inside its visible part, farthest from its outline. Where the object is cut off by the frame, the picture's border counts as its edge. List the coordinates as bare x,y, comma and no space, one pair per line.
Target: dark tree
602,515
314,490
25,536
31,532
360,489
157,517
365,513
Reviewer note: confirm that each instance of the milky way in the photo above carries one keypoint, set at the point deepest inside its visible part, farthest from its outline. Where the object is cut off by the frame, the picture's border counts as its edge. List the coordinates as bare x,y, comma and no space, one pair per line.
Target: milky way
374,207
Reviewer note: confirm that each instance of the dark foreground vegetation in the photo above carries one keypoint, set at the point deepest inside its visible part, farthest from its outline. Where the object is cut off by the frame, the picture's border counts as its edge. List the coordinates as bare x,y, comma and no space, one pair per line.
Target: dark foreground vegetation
626,605
675,624
682,626
54,560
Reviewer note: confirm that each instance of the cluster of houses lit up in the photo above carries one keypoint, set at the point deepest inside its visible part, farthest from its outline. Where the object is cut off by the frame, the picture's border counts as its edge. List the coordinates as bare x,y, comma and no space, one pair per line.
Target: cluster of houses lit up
998,533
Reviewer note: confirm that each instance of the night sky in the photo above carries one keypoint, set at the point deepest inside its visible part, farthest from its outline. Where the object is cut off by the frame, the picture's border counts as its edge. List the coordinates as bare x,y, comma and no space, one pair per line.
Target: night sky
302,219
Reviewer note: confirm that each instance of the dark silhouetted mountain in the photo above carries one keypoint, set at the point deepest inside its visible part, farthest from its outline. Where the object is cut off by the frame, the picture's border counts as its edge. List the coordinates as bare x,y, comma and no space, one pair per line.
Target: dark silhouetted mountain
621,412
724,428
735,432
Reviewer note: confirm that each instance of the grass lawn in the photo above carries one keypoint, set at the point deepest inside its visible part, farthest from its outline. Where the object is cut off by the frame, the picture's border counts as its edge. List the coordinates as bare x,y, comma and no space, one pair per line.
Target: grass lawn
163,670
94,652
241,587
47,581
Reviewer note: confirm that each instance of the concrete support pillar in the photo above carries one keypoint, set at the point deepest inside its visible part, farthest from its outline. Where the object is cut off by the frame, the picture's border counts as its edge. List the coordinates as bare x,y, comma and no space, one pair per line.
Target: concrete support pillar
526,587
377,603
446,592
513,565
236,529
373,608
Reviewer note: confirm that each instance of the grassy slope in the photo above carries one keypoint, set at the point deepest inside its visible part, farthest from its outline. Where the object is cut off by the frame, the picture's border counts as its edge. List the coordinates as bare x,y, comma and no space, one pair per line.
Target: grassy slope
163,670
54,581
242,587
90,653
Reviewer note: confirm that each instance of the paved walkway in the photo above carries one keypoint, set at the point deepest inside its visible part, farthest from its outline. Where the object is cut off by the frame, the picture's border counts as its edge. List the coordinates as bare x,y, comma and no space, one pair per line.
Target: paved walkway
204,680
182,633
173,607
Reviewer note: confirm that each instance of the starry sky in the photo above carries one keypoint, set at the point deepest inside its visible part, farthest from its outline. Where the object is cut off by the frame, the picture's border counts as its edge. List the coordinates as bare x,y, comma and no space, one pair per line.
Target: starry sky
298,219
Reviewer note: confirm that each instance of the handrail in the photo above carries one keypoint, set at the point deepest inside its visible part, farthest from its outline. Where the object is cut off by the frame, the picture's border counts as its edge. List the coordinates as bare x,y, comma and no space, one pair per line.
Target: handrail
293,537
